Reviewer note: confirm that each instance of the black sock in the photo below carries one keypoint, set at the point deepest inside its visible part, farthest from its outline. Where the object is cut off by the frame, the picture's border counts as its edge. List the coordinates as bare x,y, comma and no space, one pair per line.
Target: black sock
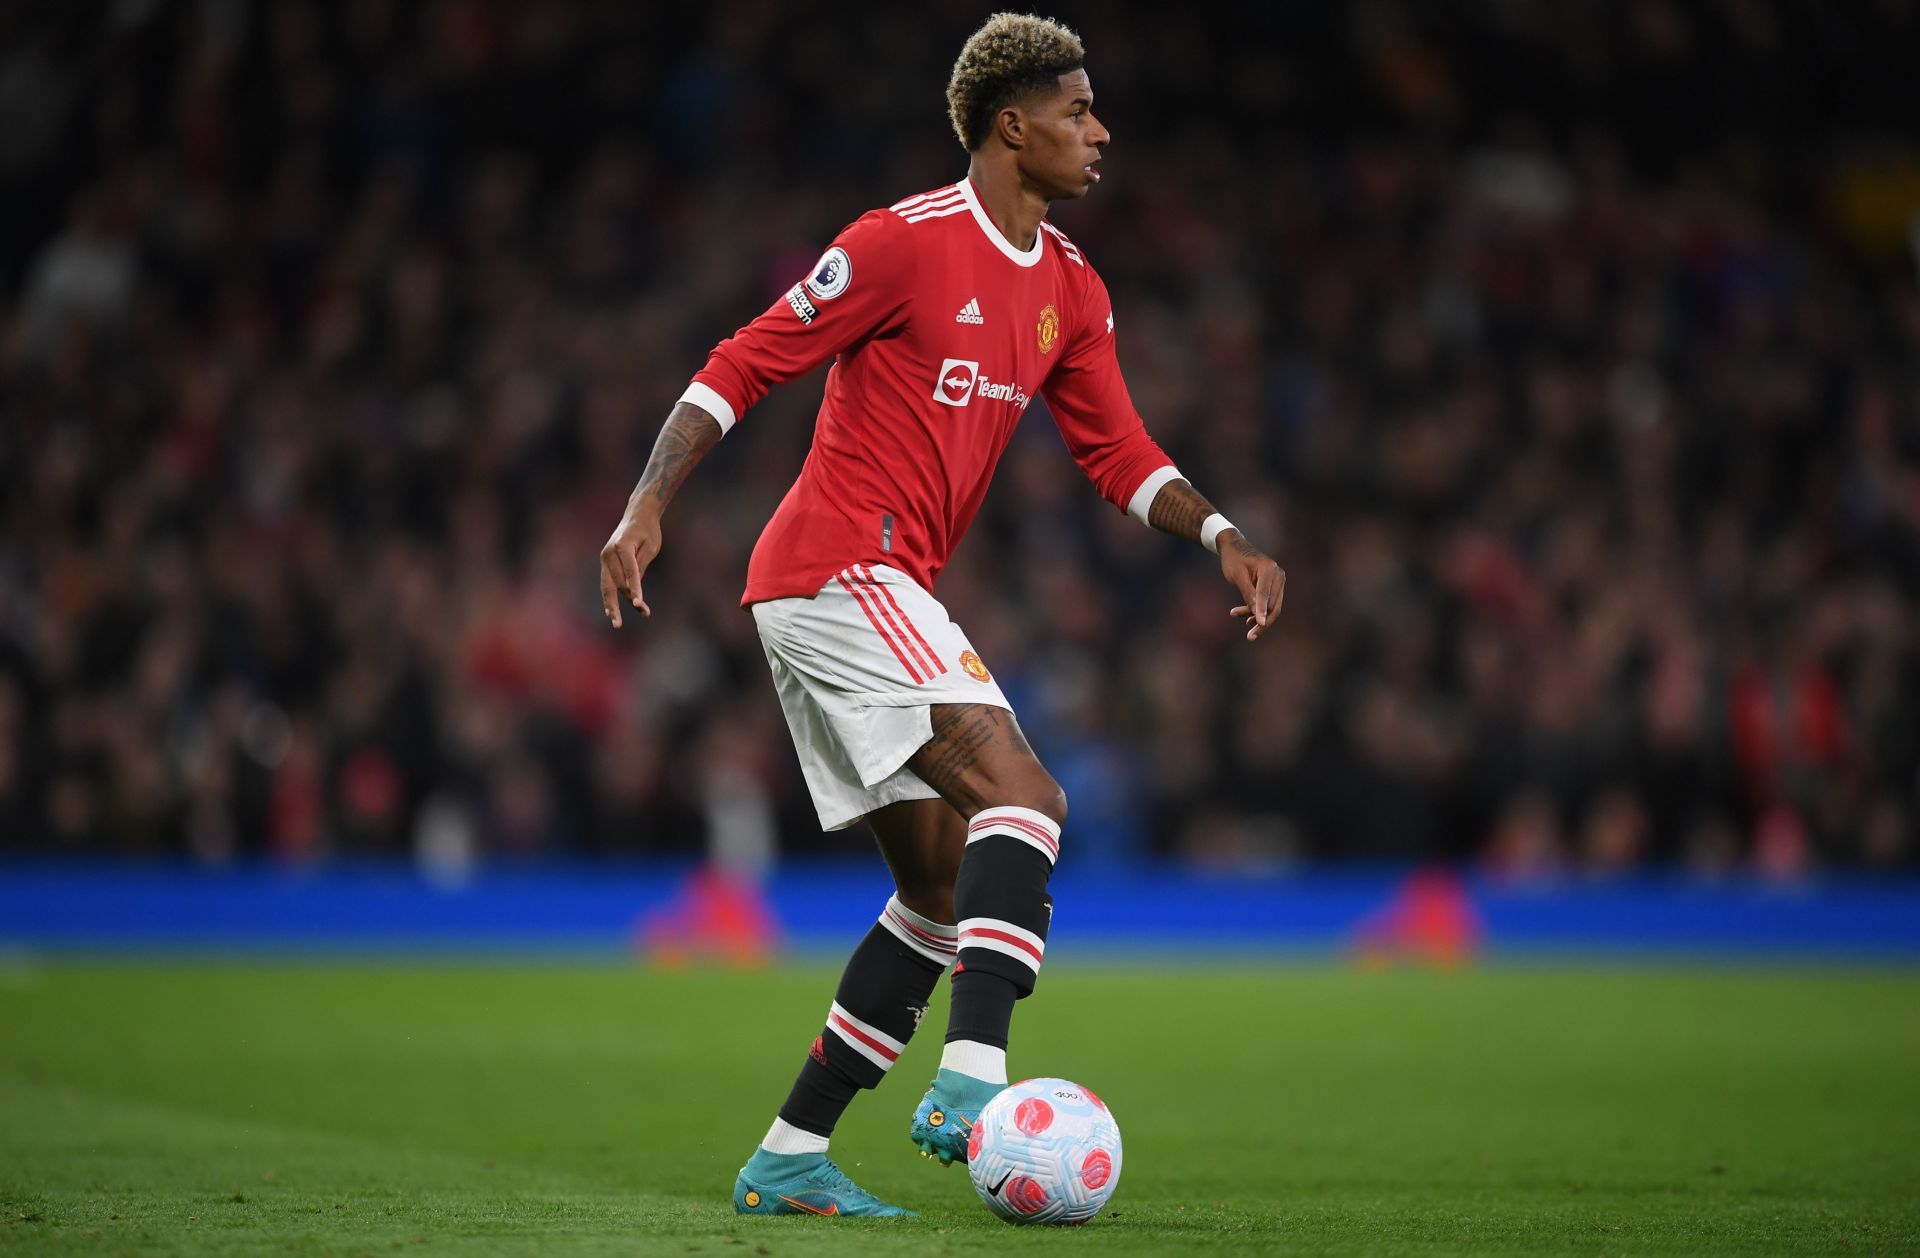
1001,900
883,994
982,1008
819,1096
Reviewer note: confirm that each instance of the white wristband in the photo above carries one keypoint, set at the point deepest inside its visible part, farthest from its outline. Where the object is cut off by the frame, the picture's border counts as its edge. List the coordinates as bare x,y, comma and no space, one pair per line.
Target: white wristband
1210,530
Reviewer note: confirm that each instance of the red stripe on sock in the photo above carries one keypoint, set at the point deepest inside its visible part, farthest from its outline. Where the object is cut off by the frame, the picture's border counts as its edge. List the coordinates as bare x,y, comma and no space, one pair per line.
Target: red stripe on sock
1004,937
840,1024
1016,823
942,942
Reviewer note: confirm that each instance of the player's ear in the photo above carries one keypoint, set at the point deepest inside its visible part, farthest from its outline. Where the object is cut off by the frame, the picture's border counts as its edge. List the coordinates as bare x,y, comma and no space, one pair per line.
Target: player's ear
1010,124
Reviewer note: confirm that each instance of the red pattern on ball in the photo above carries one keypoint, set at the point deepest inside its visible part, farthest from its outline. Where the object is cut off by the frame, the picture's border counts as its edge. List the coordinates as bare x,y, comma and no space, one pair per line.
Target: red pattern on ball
1091,1097
1097,1169
1033,1116
1025,1195
973,1144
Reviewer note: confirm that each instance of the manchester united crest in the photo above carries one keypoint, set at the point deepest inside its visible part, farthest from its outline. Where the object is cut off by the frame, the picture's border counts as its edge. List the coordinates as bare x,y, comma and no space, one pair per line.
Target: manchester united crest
1049,329
971,662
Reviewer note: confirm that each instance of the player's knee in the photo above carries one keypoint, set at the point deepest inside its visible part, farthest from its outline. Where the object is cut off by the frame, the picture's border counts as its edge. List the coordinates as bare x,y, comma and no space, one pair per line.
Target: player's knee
1054,803
1044,795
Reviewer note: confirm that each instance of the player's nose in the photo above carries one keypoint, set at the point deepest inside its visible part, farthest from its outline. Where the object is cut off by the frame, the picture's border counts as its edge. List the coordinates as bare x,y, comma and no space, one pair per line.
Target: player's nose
1101,137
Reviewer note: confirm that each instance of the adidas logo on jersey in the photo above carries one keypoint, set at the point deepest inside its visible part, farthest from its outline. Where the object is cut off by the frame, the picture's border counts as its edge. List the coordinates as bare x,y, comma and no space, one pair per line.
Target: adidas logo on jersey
970,313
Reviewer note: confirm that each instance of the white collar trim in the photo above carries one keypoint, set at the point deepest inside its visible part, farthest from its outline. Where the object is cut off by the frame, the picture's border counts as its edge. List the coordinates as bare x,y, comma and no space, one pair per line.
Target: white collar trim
1000,242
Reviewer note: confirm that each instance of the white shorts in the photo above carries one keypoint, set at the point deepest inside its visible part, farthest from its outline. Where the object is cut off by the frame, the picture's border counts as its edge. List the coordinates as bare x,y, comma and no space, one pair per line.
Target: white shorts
857,666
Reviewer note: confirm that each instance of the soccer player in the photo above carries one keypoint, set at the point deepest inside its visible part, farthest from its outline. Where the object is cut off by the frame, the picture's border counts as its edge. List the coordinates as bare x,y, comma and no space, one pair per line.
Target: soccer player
945,314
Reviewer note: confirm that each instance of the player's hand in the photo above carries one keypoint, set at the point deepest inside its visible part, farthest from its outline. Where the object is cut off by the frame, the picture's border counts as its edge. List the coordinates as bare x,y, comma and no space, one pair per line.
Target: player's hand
624,560
1262,583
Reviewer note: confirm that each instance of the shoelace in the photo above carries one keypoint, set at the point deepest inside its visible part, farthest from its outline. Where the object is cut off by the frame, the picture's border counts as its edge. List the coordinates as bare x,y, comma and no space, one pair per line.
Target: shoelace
836,1179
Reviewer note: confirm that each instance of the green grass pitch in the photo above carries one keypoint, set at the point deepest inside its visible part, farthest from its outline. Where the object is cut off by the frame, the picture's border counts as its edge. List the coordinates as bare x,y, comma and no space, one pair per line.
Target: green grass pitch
482,1109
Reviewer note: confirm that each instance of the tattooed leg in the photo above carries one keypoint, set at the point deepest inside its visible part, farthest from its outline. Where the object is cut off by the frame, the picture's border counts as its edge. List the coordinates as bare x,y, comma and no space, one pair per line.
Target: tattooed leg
978,757
981,764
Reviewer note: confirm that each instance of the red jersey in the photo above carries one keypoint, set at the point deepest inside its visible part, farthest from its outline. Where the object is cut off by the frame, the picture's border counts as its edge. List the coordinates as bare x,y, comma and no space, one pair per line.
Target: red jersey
941,334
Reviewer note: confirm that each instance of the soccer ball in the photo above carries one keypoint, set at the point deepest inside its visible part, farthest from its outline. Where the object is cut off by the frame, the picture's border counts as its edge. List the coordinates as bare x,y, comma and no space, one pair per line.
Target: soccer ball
1045,1151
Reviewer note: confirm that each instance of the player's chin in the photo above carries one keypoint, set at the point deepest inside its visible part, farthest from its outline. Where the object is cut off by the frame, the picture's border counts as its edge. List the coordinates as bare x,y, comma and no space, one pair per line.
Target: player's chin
1080,185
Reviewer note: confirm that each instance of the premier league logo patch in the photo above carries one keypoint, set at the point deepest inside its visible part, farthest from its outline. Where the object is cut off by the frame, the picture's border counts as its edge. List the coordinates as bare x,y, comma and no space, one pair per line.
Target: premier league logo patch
831,274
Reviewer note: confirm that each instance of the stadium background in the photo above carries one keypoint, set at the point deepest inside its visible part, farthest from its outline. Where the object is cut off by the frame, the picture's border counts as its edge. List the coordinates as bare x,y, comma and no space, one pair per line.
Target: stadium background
1567,355
1565,358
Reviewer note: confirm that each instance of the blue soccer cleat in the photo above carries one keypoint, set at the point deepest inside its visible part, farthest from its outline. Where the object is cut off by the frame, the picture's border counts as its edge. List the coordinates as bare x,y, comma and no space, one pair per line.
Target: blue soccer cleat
945,1119
805,1183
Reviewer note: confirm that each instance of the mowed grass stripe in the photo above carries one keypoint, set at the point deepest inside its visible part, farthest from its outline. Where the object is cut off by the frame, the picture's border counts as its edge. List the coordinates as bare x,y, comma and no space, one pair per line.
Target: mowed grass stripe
583,1110
147,1178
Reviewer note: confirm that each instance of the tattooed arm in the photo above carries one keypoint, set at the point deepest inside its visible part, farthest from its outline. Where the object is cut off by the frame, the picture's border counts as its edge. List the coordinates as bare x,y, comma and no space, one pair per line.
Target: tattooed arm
1180,510
684,439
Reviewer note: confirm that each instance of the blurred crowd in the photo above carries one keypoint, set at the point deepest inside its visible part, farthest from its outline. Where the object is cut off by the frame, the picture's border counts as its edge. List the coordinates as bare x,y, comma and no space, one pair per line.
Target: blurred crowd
1567,356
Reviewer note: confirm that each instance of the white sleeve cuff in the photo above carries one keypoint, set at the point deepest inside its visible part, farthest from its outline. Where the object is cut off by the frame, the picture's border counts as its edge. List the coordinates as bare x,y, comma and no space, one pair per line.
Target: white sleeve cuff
1210,530
1142,500
708,400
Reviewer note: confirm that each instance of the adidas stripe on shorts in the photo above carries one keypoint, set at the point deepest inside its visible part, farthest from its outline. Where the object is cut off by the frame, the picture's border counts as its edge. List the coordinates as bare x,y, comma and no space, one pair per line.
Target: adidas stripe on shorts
857,666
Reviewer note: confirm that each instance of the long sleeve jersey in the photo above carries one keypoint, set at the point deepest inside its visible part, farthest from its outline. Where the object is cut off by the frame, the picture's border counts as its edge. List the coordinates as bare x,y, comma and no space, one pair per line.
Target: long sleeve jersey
941,333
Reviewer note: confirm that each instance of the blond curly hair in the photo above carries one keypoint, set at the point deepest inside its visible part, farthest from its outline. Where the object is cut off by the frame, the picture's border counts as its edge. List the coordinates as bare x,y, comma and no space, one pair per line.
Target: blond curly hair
1006,60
